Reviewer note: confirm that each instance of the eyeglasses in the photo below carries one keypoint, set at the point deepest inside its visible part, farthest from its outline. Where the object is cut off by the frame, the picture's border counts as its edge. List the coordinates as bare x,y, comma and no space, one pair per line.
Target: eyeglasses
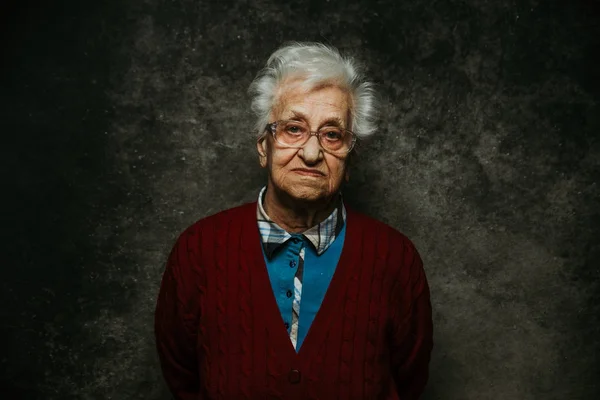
295,134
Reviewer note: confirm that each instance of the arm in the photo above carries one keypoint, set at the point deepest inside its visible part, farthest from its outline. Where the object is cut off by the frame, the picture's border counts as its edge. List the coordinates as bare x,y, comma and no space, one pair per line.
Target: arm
412,339
175,323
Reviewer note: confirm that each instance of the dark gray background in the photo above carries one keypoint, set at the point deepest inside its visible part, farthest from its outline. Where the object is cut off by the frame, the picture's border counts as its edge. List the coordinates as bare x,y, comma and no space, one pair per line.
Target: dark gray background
123,122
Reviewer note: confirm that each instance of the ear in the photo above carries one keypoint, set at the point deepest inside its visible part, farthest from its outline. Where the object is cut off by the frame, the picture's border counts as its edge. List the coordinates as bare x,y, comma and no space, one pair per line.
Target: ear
261,147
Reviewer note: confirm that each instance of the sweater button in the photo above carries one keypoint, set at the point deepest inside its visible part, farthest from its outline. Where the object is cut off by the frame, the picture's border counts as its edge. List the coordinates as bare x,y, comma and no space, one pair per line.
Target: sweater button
294,376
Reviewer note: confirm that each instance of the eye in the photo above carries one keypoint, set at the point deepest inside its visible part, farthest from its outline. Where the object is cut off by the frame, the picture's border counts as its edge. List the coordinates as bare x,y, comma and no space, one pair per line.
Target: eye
294,128
332,134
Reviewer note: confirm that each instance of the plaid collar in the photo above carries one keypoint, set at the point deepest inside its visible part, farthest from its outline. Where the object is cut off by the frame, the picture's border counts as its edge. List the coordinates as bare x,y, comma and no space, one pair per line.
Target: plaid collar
321,235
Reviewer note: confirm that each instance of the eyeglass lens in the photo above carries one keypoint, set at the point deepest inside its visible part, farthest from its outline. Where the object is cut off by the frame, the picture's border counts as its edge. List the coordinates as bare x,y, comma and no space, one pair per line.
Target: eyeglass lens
296,133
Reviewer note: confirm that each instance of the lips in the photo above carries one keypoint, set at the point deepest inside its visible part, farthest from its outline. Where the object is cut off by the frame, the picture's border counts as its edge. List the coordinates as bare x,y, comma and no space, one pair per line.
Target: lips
308,172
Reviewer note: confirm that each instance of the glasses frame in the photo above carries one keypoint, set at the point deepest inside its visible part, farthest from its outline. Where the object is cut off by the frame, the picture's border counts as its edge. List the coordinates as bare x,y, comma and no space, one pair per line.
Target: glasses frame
272,127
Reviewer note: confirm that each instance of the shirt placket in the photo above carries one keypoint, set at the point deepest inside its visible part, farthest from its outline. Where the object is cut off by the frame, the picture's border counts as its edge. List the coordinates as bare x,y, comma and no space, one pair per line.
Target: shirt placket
297,289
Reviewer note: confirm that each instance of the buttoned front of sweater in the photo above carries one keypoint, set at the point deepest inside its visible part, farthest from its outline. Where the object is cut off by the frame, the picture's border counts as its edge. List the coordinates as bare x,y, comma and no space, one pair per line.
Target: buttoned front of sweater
290,257
318,271
219,330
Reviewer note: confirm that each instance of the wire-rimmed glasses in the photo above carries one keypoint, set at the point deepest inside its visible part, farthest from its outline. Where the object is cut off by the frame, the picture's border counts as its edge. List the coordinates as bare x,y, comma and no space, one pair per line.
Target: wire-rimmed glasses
295,134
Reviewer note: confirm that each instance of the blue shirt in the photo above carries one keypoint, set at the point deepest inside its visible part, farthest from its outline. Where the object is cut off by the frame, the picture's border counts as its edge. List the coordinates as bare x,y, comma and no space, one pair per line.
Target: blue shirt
301,265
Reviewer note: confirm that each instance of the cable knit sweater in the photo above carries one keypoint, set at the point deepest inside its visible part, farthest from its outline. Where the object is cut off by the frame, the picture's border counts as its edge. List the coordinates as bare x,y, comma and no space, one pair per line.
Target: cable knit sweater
220,334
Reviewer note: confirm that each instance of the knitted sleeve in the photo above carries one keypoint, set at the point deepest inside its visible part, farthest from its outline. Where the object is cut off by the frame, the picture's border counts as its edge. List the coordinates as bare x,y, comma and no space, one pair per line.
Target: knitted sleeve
412,338
176,320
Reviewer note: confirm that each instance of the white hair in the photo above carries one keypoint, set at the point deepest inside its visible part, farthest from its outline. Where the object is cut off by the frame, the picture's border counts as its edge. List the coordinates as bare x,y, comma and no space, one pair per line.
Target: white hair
317,64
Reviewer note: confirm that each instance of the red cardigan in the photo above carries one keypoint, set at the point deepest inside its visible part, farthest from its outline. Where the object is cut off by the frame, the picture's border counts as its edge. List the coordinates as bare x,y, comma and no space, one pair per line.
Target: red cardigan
220,335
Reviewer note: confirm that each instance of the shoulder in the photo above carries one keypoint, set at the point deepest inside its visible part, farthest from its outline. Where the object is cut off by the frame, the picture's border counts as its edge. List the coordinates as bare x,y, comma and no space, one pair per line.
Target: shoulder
372,227
392,250
231,214
211,224
397,259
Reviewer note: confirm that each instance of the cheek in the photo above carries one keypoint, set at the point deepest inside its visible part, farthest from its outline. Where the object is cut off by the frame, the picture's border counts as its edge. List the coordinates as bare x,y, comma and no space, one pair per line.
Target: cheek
336,172
280,159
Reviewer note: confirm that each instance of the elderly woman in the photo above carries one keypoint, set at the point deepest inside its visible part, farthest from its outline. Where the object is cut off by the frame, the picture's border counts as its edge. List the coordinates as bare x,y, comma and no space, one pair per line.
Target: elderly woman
297,296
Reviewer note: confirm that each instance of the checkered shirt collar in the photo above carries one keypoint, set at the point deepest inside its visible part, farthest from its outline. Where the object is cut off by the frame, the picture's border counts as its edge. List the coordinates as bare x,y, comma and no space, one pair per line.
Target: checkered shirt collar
321,235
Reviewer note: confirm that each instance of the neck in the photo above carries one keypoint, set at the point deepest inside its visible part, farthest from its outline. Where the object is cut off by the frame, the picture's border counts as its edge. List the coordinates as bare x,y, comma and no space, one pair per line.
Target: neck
293,215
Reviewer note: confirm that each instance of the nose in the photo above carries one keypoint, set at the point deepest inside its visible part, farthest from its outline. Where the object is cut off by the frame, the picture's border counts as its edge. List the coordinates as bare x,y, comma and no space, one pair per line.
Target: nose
311,152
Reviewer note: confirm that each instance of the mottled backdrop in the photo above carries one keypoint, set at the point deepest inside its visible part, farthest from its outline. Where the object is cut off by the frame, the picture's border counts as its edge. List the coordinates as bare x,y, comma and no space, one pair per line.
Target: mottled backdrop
123,122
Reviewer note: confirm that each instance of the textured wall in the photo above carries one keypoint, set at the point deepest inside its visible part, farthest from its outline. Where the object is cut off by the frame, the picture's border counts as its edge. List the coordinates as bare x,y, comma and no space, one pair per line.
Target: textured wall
124,122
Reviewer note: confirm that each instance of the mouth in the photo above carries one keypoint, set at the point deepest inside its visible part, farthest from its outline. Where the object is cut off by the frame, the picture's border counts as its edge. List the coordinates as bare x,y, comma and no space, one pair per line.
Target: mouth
308,172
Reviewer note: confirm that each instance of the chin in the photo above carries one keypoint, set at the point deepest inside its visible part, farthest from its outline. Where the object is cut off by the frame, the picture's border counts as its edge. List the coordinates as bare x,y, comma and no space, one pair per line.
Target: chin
307,194
304,195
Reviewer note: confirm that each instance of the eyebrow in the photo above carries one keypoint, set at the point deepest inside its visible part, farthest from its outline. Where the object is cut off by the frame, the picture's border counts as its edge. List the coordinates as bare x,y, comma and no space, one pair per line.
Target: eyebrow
297,115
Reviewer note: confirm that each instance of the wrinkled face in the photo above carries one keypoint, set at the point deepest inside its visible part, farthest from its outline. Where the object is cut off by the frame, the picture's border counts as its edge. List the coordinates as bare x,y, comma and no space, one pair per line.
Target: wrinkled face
308,174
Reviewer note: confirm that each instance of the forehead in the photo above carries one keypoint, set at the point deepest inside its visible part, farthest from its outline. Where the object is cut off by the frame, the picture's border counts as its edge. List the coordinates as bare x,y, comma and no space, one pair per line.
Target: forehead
321,102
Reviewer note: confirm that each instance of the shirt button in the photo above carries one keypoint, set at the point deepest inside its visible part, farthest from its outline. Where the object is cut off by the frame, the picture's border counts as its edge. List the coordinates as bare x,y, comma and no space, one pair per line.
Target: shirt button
292,264
295,240
288,293
287,326
294,376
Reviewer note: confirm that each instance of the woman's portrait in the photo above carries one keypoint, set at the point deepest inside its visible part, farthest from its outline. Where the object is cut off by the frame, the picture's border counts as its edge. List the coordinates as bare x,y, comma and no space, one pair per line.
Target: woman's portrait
353,200
353,315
